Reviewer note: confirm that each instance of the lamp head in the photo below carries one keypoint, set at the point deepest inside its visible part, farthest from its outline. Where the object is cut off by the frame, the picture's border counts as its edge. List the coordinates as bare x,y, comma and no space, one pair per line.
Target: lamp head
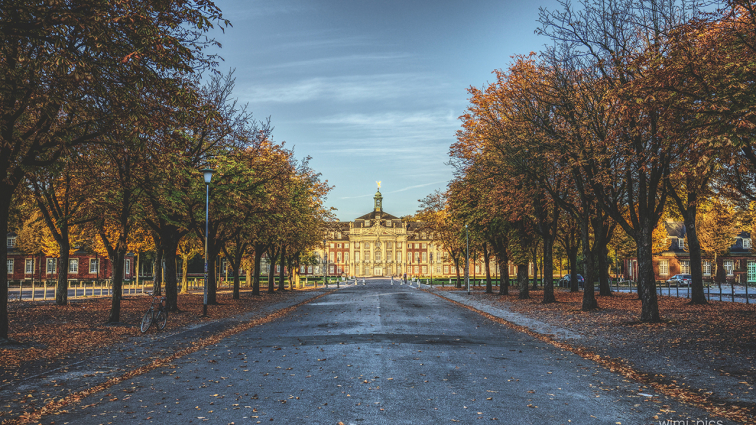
208,174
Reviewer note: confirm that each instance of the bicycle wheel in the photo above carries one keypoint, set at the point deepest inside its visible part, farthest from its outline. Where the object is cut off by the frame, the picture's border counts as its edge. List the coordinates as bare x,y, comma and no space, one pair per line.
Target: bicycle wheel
161,318
146,321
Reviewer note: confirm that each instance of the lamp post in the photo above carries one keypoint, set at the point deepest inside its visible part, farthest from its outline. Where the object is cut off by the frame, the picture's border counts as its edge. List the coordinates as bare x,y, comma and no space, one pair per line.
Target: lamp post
208,174
325,264
431,269
467,260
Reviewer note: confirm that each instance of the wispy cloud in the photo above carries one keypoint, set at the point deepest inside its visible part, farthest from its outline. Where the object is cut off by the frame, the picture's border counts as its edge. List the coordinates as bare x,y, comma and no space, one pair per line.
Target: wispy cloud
343,89
404,189
417,186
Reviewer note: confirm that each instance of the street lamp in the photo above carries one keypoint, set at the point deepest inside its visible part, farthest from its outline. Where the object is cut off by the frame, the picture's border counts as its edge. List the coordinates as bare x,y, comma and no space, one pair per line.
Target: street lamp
208,174
467,259
431,269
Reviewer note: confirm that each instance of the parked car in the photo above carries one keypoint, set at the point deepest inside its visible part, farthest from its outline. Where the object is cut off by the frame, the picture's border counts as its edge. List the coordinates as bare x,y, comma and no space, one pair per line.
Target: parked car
680,280
565,281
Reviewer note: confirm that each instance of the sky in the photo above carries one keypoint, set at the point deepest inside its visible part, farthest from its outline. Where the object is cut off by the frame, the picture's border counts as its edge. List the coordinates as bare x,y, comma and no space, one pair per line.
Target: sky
371,90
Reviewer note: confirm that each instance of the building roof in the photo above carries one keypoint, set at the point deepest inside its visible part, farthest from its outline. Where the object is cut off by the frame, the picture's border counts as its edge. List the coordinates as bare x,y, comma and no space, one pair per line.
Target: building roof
373,215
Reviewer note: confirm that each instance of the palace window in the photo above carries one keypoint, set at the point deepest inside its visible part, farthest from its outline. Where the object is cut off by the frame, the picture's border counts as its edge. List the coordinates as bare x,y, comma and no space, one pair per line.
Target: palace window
706,266
685,266
398,257
346,257
425,269
10,266
301,269
425,256
73,265
346,245
11,241
423,246
93,266
356,244
29,269
332,270
333,245
409,257
357,256
367,223
51,264
729,266
681,243
338,245
417,257
338,257
446,269
309,269
746,243
377,255
331,256
663,267
398,244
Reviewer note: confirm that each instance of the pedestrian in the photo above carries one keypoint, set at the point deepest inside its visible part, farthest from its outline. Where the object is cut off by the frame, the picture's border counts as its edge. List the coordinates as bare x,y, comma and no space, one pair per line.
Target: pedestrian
404,278
392,280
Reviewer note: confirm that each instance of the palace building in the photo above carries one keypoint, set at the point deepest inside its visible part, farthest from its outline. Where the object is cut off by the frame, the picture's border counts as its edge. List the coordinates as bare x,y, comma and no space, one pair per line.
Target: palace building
380,244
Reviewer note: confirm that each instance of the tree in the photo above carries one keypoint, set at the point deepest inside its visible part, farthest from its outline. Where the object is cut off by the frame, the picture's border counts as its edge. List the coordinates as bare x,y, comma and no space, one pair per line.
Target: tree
718,228
444,229
188,248
71,71
628,164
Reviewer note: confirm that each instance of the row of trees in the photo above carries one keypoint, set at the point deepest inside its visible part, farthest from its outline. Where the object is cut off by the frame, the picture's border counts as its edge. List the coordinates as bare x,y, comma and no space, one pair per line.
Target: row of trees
104,126
637,110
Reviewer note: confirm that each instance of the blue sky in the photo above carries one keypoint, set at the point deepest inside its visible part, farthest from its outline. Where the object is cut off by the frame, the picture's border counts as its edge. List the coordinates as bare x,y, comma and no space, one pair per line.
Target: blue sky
371,90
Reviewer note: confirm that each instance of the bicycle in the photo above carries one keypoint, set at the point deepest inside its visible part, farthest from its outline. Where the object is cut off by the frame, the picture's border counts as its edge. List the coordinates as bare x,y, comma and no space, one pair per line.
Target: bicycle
158,315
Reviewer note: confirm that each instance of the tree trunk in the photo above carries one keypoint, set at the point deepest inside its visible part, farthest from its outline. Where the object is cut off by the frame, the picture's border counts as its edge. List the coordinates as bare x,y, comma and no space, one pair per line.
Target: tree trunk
504,278
649,307
487,263
459,280
535,267
212,281
697,295
236,262
272,274
548,270
256,277
61,296
572,259
603,267
5,201
117,256
170,237
171,283
184,271
589,296
157,274
523,281
282,274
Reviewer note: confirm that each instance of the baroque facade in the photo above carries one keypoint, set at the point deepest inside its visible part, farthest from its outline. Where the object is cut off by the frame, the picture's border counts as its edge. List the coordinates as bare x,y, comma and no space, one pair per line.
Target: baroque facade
379,244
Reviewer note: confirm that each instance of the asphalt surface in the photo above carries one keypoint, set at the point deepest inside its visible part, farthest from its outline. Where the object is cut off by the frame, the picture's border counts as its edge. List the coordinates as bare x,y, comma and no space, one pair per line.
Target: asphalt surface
381,354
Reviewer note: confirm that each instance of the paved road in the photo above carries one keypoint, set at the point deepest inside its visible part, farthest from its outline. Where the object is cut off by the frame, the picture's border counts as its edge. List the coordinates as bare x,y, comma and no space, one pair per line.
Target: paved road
379,354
